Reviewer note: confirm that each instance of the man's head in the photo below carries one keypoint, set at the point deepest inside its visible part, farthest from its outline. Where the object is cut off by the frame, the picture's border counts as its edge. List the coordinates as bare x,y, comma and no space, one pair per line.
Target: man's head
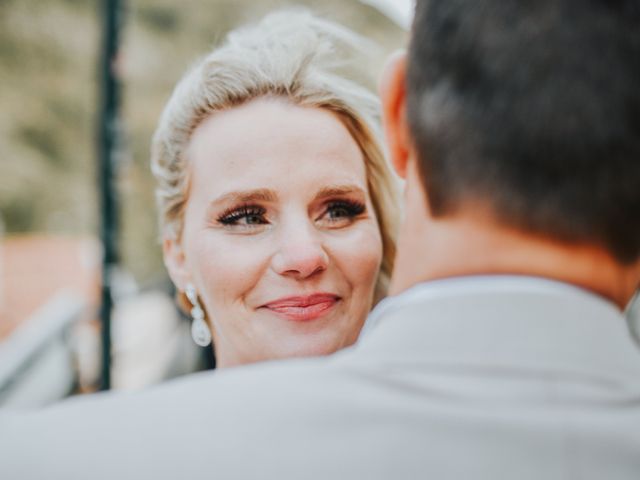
530,109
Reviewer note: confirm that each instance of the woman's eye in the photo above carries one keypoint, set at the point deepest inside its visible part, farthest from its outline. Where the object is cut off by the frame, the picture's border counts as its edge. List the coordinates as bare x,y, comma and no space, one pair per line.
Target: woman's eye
343,211
247,215
254,220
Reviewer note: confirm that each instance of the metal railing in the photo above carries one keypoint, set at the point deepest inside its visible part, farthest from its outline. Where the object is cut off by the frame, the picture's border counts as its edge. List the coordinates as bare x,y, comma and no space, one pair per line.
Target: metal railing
23,350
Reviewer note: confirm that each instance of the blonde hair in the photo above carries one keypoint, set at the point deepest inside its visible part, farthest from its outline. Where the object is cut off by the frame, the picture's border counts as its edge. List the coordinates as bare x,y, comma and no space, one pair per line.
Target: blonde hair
291,55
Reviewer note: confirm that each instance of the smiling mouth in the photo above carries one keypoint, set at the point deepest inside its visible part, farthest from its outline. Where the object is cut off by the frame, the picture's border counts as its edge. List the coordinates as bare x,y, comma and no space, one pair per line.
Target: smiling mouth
303,308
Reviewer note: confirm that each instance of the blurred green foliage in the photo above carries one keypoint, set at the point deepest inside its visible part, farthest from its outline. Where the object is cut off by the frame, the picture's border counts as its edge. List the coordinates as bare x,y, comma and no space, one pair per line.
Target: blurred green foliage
49,57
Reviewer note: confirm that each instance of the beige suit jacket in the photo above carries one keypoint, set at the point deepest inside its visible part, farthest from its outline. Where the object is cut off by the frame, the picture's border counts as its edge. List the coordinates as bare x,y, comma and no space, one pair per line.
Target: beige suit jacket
479,378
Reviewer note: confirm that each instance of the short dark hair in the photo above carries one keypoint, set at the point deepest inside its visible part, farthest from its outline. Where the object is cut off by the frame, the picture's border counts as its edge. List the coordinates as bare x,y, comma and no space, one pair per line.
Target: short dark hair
532,106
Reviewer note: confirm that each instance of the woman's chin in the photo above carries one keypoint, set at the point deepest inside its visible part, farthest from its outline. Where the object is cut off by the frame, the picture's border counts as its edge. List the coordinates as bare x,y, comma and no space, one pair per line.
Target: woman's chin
310,347
280,337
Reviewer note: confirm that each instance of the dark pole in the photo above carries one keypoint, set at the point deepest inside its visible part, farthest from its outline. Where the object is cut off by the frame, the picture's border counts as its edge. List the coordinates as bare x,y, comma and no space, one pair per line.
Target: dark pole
108,148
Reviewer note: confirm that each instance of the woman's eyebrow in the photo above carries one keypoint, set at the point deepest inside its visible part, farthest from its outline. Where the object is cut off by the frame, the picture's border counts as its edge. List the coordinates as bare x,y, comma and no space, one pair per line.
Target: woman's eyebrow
245,196
337,190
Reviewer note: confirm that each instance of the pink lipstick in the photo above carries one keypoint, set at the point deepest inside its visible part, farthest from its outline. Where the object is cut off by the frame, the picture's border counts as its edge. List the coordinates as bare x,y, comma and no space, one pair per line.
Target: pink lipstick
303,308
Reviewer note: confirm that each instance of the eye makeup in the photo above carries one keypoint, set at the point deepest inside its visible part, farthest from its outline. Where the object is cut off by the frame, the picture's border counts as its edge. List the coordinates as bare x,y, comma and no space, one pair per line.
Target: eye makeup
244,214
344,208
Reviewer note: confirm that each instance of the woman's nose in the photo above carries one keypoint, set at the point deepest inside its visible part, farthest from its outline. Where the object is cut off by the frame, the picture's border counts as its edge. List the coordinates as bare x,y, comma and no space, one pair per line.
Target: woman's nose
301,257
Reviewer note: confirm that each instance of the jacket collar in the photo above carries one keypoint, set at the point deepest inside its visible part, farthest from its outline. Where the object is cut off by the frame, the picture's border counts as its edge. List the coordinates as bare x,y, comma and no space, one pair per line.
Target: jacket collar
502,321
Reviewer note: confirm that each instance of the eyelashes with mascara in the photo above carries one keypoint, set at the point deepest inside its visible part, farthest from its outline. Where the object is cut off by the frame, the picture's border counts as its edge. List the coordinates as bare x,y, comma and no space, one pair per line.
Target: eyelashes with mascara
335,211
254,215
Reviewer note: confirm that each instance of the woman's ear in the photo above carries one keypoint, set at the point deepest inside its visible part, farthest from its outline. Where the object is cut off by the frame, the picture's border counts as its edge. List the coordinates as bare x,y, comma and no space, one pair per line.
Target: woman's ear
393,95
174,260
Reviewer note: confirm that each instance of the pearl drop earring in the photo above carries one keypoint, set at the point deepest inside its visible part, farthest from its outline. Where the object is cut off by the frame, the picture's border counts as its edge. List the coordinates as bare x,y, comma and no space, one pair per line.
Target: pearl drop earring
200,331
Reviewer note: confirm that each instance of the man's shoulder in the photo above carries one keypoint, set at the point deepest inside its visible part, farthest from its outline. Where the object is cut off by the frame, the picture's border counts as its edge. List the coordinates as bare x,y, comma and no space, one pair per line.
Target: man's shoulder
267,381
185,423
266,391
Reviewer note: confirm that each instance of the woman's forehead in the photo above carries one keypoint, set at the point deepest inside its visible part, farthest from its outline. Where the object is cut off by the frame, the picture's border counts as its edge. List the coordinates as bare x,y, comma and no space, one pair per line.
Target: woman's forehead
266,143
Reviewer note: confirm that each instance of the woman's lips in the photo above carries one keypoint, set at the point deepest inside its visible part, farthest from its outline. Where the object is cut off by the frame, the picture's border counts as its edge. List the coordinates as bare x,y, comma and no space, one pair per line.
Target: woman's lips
303,308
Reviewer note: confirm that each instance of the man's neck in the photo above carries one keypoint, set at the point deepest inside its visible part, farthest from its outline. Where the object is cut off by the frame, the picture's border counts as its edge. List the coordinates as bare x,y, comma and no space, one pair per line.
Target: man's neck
471,243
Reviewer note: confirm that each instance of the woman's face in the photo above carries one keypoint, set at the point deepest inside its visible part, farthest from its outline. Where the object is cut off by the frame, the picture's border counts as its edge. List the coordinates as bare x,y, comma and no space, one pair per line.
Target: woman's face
280,238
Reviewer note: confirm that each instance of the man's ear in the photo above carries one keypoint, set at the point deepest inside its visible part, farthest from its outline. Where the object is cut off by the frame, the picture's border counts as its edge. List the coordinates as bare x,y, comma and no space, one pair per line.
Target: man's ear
394,111
174,260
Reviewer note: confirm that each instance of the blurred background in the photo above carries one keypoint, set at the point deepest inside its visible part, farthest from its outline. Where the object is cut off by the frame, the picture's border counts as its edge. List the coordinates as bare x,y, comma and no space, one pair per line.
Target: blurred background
51,251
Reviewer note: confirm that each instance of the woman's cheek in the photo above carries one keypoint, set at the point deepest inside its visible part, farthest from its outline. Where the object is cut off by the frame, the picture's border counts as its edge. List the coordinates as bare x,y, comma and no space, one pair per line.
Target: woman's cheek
360,256
227,268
